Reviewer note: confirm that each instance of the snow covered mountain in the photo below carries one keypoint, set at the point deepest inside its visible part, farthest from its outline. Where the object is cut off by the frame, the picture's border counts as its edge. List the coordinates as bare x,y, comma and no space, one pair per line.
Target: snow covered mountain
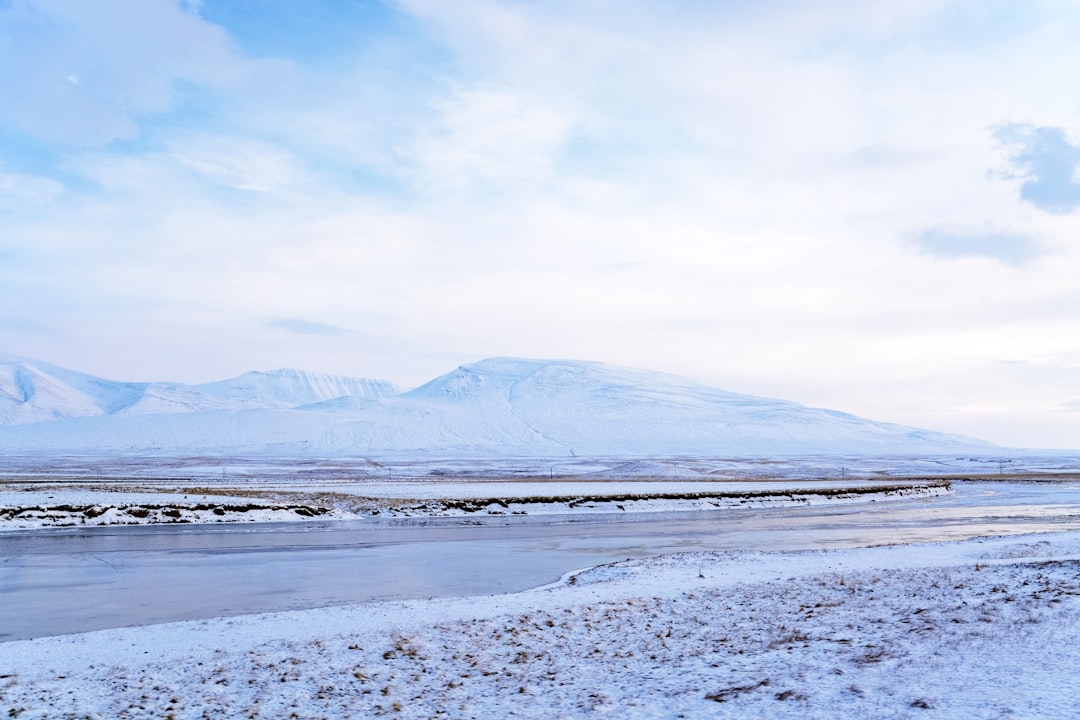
292,388
32,391
496,407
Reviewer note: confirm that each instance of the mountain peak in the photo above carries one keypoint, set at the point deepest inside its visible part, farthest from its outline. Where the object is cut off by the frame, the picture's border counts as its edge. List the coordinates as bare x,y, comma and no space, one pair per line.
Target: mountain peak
495,407
517,379
32,391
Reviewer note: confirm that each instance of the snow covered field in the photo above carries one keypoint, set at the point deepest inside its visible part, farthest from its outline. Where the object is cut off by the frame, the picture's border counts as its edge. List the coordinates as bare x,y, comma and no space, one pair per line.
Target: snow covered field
176,470
28,506
79,491
985,628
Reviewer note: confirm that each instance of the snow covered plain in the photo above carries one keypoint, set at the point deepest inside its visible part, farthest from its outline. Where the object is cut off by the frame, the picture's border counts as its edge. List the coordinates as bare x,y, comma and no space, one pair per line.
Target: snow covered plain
346,469
987,628
72,490
26,506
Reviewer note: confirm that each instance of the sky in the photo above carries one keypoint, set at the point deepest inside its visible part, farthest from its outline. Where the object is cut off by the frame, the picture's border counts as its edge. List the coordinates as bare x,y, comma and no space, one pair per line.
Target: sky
872,207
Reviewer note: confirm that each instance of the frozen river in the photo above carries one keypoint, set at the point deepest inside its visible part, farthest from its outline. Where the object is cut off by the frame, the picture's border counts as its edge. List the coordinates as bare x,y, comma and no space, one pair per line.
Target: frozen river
62,581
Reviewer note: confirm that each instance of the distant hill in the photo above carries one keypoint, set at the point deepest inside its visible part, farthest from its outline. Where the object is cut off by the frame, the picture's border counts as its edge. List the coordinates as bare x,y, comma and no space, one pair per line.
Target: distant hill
32,391
493,408
292,388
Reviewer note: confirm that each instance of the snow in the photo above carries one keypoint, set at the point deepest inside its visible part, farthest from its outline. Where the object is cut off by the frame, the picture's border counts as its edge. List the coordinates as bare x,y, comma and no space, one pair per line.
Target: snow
987,628
72,490
29,505
156,512
494,408
28,395
293,388
999,464
35,392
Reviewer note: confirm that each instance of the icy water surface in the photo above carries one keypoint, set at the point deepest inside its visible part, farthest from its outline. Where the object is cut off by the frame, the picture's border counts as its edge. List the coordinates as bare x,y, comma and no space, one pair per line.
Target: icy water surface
62,581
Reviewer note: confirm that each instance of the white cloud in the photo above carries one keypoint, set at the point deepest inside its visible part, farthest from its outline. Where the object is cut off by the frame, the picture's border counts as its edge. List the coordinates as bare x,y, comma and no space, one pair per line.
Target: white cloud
488,140
305,327
240,163
83,74
721,190
195,168
19,190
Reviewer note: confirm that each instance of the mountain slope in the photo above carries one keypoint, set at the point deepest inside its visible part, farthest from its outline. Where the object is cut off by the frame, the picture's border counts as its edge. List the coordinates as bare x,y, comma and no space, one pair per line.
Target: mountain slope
292,388
496,407
32,391
584,406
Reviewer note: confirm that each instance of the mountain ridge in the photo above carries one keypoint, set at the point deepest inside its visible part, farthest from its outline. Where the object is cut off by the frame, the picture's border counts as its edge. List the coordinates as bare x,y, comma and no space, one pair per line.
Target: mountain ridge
61,393
495,407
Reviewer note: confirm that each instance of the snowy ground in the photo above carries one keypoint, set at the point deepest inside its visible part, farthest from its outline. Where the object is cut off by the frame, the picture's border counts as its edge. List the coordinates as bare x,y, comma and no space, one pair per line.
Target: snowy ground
974,629
79,490
178,470
37,505
74,490
30,505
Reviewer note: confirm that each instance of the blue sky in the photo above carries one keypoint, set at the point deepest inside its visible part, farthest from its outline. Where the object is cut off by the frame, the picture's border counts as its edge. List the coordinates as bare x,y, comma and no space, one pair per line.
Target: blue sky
867,206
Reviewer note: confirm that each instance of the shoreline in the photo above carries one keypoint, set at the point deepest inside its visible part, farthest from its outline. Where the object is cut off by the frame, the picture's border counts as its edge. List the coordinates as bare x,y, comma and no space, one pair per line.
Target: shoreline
888,631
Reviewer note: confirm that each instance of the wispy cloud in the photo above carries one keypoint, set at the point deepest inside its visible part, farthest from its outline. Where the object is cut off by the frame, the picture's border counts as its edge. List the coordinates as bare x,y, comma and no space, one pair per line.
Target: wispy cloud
239,163
1046,162
644,182
17,191
84,74
306,327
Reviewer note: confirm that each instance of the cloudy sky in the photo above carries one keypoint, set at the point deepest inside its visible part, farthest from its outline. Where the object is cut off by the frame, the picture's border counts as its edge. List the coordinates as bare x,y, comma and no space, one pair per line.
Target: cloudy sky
868,206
